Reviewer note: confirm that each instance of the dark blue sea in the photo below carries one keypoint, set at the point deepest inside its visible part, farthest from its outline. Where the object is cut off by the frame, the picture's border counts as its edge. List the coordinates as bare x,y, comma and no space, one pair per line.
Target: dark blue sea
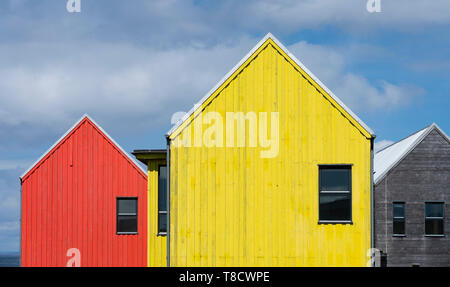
9,260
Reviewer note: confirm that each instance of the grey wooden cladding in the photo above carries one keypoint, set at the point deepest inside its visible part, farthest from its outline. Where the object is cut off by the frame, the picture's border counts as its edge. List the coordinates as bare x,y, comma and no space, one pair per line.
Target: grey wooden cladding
423,175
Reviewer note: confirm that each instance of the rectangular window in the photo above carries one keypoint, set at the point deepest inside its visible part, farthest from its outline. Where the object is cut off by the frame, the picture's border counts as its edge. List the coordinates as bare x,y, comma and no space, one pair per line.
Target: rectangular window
162,199
398,218
434,218
127,215
335,193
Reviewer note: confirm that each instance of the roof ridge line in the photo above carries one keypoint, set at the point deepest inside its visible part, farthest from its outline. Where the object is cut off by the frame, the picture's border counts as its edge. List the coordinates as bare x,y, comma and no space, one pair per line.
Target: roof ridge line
426,132
407,137
71,129
295,60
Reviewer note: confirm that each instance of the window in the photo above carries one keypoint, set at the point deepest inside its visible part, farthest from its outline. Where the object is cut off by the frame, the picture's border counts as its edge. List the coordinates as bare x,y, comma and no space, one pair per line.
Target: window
434,218
162,200
398,219
335,196
127,215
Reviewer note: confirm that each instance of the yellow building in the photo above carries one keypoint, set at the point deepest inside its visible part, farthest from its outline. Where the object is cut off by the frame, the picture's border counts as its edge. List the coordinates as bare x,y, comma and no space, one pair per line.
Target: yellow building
270,168
157,214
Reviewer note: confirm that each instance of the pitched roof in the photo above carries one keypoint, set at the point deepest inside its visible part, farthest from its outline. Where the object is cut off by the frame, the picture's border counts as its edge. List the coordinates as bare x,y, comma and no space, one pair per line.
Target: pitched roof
390,156
64,136
269,36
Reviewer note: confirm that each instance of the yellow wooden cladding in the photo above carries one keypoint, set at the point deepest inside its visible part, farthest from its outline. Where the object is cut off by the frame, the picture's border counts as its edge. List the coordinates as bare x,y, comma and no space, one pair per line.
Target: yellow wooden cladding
157,244
230,207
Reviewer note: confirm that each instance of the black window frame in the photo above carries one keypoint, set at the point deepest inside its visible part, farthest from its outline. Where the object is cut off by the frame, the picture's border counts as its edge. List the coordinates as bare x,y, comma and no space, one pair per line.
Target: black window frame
127,214
399,217
349,192
165,212
442,218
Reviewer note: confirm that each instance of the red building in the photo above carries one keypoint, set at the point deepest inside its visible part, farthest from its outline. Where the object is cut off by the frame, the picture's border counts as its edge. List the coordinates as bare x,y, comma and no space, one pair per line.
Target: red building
84,202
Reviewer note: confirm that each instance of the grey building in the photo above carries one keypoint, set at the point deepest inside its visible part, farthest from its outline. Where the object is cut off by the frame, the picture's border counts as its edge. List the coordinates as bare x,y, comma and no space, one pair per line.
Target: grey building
412,199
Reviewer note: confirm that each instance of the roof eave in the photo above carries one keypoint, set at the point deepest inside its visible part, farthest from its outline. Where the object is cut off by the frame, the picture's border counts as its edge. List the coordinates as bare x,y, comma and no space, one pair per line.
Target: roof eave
300,64
85,116
379,178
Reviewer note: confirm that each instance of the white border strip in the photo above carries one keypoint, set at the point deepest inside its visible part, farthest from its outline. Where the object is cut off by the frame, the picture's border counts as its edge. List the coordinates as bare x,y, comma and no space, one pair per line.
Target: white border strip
243,60
70,130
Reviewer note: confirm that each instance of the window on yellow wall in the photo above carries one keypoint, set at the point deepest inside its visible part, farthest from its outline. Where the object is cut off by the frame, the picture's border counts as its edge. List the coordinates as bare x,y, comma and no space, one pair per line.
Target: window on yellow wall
162,200
335,193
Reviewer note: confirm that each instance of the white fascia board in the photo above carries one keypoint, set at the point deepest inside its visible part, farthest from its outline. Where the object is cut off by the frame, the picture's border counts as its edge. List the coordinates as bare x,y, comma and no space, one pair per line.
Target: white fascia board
243,60
133,160
404,153
69,131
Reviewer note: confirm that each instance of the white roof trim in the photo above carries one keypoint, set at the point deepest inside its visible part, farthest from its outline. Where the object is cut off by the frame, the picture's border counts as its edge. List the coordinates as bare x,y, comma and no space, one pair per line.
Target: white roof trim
425,132
69,131
243,60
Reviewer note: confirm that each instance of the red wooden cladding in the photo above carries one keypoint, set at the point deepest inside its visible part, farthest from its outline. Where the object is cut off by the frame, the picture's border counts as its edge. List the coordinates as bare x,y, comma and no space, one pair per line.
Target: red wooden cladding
69,201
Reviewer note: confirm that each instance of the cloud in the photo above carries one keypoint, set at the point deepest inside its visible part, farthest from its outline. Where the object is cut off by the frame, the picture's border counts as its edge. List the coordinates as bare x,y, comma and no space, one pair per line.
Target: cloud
350,15
53,85
47,87
172,23
356,91
439,67
382,144
9,207
132,66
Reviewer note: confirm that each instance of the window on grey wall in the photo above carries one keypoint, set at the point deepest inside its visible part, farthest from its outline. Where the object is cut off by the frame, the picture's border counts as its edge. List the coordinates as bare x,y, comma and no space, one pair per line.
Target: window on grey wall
434,218
162,199
335,193
127,215
398,222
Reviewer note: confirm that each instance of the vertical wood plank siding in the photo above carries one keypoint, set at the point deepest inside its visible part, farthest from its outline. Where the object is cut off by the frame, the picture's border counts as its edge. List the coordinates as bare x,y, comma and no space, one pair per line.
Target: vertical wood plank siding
157,244
230,207
69,201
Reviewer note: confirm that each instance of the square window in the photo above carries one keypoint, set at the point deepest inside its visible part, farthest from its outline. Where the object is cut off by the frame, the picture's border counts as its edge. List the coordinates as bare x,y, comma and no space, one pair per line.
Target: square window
434,218
335,196
398,221
127,215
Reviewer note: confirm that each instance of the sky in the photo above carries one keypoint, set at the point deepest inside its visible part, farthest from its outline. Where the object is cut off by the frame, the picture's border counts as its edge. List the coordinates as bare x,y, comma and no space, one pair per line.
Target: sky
132,64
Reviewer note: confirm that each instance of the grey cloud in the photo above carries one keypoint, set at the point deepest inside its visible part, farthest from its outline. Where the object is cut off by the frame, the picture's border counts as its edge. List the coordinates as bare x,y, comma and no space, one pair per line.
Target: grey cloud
355,90
52,85
9,208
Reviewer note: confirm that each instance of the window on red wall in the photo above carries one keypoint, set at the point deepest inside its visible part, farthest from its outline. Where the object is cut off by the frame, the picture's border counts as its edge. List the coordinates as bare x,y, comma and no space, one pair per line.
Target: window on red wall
127,220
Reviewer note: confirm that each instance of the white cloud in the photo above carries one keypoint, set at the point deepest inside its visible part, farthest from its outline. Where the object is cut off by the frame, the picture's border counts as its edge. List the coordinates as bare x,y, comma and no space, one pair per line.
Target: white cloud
54,85
51,86
382,144
355,90
292,15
